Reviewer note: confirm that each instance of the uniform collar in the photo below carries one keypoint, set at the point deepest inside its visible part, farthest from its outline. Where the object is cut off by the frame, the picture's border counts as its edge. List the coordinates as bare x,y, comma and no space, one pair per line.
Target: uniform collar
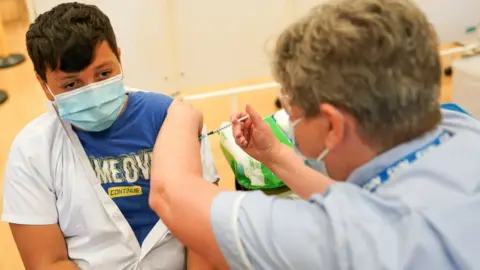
364,173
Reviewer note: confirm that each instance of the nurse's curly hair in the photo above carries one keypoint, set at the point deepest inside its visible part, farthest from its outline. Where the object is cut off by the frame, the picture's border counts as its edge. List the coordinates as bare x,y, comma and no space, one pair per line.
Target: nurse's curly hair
376,59
66,36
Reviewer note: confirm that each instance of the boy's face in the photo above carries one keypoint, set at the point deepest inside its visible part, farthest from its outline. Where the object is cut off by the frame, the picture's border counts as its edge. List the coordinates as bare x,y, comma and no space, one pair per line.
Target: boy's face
104,66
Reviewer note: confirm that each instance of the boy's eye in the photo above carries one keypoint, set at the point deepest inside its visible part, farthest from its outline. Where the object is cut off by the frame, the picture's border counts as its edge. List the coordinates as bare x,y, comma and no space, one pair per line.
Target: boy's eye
70,85
104,74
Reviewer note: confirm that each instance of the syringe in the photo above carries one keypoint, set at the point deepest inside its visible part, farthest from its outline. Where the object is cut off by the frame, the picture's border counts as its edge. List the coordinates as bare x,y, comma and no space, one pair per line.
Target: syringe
222,128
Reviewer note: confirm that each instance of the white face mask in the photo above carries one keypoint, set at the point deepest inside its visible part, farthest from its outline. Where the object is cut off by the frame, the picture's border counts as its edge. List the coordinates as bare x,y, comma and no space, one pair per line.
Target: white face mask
317,164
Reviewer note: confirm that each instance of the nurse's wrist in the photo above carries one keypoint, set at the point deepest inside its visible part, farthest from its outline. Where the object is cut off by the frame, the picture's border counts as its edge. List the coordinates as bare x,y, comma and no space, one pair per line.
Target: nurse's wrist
276,155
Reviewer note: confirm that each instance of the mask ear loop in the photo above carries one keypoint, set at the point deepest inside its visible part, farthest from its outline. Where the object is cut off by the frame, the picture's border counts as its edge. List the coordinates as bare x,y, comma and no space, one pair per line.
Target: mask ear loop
50,91
121,70
323,154
50,103
291,132
294,123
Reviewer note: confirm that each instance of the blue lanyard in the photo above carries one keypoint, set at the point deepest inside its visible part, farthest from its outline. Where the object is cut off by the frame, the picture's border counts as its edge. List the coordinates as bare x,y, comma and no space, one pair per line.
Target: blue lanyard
387,173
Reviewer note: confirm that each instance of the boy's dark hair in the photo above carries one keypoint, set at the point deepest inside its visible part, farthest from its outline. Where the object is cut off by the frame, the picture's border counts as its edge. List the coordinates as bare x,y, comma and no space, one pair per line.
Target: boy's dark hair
66,36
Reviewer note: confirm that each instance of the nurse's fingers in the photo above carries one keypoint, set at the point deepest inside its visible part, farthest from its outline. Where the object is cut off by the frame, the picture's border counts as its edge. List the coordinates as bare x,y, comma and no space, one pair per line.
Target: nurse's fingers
255,118
237,126
247,126
248,134
239,129
234,117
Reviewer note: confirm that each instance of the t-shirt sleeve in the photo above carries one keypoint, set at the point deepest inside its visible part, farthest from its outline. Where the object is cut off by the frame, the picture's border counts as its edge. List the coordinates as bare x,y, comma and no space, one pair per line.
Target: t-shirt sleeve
158,105
28,194
209,170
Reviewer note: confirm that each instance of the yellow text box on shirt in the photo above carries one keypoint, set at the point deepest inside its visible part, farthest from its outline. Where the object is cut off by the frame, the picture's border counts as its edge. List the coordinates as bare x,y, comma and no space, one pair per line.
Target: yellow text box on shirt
116,192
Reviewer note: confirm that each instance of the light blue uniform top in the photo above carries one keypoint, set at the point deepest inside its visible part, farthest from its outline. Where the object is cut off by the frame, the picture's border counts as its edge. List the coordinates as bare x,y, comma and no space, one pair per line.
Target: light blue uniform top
427,216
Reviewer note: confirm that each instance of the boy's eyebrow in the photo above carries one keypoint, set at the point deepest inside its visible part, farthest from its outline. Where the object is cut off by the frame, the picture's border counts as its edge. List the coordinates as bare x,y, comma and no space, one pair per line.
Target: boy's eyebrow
104,64
70,76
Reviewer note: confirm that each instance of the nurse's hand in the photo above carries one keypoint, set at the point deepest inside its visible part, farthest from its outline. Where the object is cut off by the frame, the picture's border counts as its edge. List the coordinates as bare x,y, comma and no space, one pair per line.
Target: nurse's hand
254,135
185,114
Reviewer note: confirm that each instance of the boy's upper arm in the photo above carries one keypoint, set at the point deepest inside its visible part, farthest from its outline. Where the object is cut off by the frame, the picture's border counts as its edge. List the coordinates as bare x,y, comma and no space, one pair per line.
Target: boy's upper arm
28,194
160,105
41,246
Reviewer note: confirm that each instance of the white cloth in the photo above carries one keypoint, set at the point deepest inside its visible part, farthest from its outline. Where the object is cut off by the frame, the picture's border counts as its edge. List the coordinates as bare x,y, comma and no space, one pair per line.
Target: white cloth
49,180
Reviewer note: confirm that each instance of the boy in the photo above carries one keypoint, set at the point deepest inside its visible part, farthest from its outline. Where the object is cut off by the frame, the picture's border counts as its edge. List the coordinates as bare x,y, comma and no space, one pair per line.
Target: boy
77,178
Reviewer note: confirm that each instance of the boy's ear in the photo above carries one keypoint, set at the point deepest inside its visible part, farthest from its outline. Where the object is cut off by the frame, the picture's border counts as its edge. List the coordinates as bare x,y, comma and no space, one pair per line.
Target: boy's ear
119,51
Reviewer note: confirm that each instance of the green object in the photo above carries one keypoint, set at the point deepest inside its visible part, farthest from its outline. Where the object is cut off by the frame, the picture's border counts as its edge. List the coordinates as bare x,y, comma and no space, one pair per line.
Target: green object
250,173
470,29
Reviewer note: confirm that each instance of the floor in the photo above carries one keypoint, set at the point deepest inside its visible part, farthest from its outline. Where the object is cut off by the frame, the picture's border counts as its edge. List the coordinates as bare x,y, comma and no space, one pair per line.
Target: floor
27,101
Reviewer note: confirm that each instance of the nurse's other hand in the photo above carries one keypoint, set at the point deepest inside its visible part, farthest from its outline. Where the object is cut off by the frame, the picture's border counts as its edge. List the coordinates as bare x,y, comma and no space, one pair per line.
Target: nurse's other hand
254,135
185,114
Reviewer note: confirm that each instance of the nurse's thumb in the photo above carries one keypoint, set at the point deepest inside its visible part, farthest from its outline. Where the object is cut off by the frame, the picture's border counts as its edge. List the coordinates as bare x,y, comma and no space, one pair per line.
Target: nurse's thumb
254,116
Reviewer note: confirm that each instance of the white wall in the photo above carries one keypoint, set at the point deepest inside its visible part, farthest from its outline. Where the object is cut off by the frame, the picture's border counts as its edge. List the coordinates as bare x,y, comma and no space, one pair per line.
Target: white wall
141,34
170,45
451,17
225,43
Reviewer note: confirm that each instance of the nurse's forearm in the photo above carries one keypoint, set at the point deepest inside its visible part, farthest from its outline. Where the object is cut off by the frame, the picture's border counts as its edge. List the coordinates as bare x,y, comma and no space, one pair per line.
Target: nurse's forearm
290,168
195,262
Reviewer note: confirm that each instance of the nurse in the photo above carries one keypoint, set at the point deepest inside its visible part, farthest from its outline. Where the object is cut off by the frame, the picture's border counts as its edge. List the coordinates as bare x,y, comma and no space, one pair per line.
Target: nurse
361,82
77,179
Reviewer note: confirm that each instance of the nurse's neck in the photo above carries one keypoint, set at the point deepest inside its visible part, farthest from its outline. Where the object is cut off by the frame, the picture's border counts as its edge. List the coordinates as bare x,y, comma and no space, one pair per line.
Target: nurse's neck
354,153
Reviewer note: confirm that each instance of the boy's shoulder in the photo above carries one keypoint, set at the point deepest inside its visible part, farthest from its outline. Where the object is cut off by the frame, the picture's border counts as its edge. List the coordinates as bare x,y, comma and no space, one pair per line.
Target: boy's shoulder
146,106
143,100
149,96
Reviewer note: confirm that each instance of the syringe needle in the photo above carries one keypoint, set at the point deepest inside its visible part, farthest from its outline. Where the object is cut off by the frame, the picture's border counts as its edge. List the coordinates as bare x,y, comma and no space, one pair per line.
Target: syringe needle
223,127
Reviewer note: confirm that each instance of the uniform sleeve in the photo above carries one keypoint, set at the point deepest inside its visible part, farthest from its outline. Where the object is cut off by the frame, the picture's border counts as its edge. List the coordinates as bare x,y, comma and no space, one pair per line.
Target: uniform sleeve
28,194
349,228
455,120
255,231
209,170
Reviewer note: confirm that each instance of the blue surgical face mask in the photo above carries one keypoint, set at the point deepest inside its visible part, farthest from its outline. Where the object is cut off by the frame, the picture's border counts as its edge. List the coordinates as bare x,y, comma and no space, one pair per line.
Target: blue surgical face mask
94,107
316,164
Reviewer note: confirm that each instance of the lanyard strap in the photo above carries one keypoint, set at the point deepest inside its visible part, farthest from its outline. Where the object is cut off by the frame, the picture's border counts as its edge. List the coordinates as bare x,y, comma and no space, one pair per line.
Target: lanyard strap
387,173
